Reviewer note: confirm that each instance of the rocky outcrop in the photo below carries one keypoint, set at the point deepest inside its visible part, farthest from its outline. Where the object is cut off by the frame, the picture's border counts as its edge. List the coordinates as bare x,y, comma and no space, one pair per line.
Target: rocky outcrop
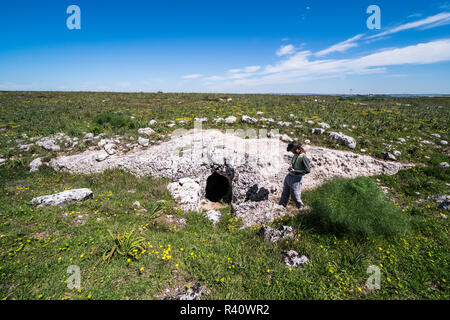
197,154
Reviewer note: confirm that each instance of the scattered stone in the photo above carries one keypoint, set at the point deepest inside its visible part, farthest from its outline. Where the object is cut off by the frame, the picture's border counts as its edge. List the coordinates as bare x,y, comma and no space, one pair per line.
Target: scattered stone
318,130
35,164
213,215
48,144
444,164
437,135
248,119
88,136
143,142
146,131
444,142
101,156
397,153
324,125
152,122
389,156
293,259
192,293
2,161
230,119
110,148
136,204
274,235
286,138
201,119
284,124
62,197
25,147
403,140
444,205
343,139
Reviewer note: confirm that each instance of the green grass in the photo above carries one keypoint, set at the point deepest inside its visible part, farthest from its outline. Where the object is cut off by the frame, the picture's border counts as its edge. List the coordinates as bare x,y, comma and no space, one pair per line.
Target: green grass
356,207
38,245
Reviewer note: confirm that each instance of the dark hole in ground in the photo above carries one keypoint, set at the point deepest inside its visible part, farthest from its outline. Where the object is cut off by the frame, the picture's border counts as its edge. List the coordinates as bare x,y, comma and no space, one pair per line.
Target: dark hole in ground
218,188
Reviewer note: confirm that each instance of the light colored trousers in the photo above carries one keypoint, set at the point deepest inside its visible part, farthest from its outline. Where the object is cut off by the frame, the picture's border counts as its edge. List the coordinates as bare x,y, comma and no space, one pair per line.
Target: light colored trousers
292,187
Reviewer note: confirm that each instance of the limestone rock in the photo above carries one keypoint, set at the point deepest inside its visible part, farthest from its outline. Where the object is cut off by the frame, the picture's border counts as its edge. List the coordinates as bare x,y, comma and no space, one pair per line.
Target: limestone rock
248,119
192,293
343,139
35,164
213,215
146,131
143,142
293,259
318,130
152,122
230,119
62,197
444,164
274,235
389,156
444,205
187,193
324,125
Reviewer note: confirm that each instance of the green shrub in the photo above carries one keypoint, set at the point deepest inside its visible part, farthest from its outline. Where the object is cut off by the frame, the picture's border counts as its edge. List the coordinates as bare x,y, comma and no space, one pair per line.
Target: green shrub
113,120
356,207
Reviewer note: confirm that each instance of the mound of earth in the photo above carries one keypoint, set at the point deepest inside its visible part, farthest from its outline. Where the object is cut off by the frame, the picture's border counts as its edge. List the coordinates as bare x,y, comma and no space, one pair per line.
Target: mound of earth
210,164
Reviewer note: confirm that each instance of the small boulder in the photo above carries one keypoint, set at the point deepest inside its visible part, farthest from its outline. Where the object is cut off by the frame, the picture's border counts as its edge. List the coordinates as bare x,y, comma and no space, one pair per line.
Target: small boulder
248,119
318,131
230,119
63,197
213,215
389,156
143,142
343,139
146,131
444,164
35,164
293,259
444,205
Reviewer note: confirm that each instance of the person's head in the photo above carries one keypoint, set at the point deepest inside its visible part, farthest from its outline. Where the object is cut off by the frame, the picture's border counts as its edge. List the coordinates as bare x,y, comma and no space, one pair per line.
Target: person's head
295,147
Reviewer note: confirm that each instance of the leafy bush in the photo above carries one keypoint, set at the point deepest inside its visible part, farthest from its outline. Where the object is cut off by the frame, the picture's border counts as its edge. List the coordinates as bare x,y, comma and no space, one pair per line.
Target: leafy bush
356,207
112,120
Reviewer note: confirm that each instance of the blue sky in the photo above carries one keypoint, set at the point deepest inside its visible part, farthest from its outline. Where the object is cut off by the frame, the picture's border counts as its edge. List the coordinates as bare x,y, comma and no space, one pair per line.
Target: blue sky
226,46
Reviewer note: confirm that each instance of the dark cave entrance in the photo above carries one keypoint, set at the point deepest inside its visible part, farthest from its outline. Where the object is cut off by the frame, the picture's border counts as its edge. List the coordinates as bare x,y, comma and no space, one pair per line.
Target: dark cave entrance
218,187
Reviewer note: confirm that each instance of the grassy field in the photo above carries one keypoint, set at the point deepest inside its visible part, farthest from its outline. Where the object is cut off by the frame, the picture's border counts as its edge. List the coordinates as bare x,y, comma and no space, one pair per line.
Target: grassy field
38,245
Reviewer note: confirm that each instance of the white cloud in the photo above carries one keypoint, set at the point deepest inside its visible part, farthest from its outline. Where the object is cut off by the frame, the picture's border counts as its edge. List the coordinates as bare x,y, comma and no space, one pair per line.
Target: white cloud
431,22
284,50
341,46
302,66
252,69
192,76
